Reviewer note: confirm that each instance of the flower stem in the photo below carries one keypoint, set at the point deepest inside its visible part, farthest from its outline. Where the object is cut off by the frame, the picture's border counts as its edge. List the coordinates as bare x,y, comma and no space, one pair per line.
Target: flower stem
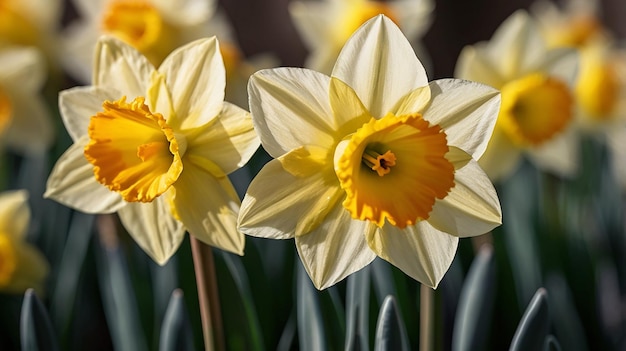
427,315
206,281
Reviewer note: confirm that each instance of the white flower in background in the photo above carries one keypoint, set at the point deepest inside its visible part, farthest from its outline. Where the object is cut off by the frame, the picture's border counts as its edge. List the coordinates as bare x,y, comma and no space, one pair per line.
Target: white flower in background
30,23
537,111
326,25
25,123
154,27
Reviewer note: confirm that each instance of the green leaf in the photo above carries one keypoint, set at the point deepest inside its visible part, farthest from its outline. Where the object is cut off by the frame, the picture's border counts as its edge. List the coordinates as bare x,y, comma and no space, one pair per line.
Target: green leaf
176,330
533,329
36,329
551,344
567,324
120,305
311,333
473,317
390,330
357,310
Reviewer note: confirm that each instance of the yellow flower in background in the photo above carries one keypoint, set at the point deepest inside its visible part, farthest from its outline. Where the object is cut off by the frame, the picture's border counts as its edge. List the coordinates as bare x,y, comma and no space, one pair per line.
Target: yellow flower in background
372,161
326,25
154,27
156,146
22,266
30,23
25,124
538,100
601,85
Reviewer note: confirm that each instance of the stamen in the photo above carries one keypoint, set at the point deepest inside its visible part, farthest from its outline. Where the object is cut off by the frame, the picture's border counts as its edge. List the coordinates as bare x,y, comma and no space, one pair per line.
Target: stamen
380,163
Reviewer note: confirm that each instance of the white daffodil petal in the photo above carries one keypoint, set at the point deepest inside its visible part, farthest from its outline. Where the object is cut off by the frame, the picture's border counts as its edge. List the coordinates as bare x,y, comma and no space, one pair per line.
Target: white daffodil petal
31,130
558,155
379,63
467,111
45,13
79,39
516,45
336,249
153,227
79,104
195,72
471,207
501,157
413,16
185,12
229,141
296,95
72,183
312,20
14,213
278,204
474,65
422,252
121,66
23,68
562,63
208,208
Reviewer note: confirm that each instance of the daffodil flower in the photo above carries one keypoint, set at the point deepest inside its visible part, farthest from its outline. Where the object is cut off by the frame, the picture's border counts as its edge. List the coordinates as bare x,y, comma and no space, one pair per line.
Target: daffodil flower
326,25
30,23
537,97
25,123
371,161
156,146
22,265
154,27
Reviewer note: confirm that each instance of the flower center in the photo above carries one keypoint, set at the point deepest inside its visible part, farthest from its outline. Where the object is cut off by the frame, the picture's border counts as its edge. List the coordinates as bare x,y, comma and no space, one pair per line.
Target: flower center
575,33
8,259
360,13
597,89
6,109
535,108
140,24
133,150
394,168
14,26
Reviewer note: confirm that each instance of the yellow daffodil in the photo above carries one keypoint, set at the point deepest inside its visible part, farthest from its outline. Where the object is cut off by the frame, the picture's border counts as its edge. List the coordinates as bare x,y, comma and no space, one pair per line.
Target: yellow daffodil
25,124
155,145
601,85
371,161
30,23
326,25
154,27
22,266
537,108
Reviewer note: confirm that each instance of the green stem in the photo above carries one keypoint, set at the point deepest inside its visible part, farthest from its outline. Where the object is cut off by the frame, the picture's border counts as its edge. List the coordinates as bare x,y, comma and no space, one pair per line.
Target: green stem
208,297
427,316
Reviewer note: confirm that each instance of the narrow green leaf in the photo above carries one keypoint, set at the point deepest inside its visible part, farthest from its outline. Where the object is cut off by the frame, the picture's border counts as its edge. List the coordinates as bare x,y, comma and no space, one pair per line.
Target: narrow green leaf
120,305
551,344
390,330
473,317
310,322
240,277
382,280
357,310
567,324
533,329
36,331
176,330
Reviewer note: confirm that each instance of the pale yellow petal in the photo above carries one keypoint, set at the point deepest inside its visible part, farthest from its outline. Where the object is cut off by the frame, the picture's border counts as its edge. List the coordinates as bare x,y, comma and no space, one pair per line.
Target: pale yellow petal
78,43
208,208
153,227
412,16
229,141
380,65
467,112
120,66
563,64
31,131
72,183
195,75
186,12
421,251
77,105
473,64
558,155
14,213
336,249
471,207
501,157
22,68
31,271
290,108
313,21
280,205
